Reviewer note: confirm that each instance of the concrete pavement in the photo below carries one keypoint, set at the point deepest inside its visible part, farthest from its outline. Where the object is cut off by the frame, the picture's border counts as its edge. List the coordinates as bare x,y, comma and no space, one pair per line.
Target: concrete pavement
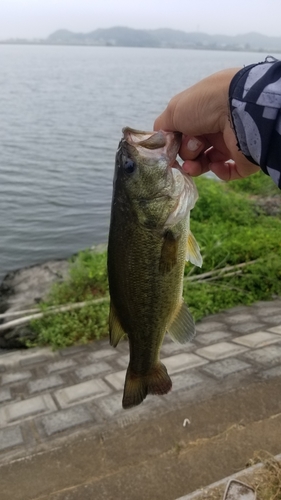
51,402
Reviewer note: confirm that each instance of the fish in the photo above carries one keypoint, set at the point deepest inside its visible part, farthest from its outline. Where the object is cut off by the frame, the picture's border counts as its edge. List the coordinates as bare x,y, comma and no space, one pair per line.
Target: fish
148,244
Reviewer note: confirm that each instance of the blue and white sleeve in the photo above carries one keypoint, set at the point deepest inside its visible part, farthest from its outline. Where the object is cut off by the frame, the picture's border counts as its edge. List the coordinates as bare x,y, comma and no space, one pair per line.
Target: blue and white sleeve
255,107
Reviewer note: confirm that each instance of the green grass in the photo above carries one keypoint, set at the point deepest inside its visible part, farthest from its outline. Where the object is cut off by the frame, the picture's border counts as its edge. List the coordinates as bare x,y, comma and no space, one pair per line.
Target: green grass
230,229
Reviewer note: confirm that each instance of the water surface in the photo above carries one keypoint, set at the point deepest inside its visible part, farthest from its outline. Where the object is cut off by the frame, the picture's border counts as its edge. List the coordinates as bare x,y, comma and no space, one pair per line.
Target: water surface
62,111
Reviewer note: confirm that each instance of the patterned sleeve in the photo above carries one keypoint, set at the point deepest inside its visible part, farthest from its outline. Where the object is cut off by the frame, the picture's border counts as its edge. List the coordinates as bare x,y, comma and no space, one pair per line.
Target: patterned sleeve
255,106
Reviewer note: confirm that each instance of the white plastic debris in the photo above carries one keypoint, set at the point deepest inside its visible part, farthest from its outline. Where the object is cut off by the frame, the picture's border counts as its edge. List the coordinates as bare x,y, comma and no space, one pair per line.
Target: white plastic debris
186,422
236,490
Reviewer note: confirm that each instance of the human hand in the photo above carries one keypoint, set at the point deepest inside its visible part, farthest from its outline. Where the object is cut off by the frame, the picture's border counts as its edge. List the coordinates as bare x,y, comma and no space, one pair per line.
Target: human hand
201,113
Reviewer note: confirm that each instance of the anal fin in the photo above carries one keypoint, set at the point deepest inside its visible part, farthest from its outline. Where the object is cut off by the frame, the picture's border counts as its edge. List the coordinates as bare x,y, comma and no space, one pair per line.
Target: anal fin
182,328
116,331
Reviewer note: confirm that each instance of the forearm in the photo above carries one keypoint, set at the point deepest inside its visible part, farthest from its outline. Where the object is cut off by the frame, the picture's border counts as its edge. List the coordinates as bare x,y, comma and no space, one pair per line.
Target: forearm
255,105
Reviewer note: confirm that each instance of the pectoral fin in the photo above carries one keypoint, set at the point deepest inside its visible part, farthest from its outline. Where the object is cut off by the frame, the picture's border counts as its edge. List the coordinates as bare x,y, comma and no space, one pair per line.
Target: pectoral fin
169,252
193,251
116,331
182,328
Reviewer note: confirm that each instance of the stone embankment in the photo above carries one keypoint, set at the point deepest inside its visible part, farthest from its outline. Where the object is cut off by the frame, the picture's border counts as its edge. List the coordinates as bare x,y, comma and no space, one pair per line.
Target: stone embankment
24,289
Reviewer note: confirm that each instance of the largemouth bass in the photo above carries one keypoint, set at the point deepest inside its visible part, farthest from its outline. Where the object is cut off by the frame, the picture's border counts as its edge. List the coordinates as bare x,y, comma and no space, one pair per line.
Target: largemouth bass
149,241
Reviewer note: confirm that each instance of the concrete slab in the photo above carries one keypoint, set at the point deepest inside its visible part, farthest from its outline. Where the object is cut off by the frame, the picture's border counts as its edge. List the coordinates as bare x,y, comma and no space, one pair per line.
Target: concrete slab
65,420
96,368
81,392
43,384
183,361
225,385
158,458
220,369
257,339
220,351
28,408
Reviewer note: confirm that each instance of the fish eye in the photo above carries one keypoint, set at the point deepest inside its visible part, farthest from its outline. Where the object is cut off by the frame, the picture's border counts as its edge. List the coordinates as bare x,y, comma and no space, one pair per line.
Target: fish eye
129,166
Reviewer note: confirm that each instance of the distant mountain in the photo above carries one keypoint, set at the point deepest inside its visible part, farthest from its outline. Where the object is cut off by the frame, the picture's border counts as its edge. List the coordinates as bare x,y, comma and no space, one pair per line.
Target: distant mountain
120,36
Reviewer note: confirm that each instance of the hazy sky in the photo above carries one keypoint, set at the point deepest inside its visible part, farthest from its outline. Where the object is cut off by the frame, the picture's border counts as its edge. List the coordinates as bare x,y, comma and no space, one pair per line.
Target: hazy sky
39,18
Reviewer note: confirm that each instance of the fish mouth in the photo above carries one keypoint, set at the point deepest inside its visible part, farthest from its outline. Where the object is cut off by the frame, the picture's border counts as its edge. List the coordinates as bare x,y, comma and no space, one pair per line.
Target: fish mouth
154,144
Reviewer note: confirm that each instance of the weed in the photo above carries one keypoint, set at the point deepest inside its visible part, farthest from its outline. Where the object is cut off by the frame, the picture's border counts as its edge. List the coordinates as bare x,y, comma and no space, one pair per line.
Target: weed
229,228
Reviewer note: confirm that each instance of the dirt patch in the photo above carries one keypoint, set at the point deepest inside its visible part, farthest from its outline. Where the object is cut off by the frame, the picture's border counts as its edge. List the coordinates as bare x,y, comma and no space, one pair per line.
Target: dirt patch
270,205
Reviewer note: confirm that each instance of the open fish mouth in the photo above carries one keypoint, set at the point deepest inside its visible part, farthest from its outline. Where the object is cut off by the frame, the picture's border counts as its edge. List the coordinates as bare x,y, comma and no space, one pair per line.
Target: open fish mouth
154,144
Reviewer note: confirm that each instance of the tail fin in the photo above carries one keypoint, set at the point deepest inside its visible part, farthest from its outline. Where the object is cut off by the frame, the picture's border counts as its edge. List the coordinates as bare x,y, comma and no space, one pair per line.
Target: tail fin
157,381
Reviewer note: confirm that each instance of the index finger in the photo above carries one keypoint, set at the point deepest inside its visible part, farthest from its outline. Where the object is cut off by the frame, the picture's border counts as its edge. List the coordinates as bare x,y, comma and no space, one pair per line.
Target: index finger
165,121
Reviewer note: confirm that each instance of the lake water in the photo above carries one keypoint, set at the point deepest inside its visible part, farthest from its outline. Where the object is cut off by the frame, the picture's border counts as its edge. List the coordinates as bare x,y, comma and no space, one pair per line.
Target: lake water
62,111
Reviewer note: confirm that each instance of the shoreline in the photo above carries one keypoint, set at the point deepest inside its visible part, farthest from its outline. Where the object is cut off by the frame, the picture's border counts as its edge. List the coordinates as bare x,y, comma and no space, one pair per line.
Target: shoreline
25,288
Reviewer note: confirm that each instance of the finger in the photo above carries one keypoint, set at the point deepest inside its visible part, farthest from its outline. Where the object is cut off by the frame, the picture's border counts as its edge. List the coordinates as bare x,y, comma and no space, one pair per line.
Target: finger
196,167
214,155
191,147
229,171
225,171
166,120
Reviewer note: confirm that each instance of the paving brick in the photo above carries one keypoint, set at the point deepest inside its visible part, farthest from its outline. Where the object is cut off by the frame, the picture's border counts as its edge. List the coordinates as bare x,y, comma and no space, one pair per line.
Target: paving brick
221,350
220,369
275,329
257,339
82,392
182,361
247,327
273,320
239,318
209,326
26,409
76,349
237,310
101,354
9,378
266,356
5,395
269,311
32,360
65,419
173,347
185,380
111,405
123,361
211,338
94,369
271,372
116,379
11,360
42,384
64,364
263,304
10,437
